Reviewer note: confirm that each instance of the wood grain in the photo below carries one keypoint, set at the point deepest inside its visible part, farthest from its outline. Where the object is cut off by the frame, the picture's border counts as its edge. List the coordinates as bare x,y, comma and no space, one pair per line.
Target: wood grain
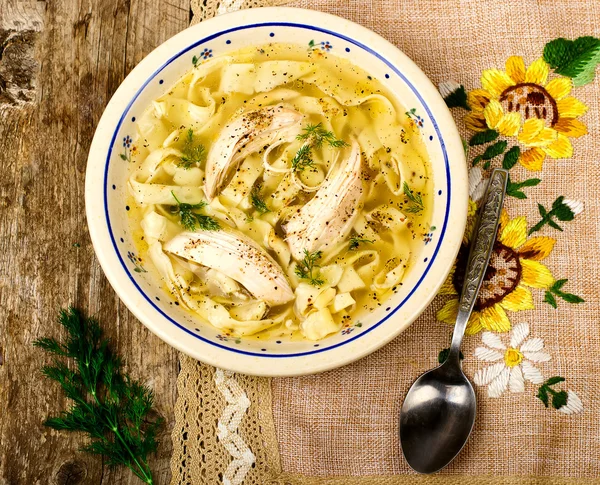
60,62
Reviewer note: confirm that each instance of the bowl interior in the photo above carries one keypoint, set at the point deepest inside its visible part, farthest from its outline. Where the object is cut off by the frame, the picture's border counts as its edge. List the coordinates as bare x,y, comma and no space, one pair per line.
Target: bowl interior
135,280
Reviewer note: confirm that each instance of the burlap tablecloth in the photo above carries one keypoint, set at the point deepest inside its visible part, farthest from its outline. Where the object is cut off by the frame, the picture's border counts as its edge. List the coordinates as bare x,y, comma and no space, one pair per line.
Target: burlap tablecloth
341,427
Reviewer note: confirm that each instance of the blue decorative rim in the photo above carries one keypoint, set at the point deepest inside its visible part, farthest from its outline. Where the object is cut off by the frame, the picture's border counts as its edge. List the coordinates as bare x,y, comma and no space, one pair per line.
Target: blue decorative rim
307,27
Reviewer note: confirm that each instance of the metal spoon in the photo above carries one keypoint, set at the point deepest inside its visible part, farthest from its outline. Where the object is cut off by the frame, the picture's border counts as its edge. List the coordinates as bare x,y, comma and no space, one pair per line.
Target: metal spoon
439,410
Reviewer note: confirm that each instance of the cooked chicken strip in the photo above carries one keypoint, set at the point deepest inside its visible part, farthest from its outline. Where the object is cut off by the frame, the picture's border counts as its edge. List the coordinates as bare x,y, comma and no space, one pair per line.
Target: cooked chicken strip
328,217
243,135
237,256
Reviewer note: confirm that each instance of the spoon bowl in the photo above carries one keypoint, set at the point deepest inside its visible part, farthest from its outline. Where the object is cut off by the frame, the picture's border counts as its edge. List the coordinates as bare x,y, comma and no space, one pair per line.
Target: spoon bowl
437,417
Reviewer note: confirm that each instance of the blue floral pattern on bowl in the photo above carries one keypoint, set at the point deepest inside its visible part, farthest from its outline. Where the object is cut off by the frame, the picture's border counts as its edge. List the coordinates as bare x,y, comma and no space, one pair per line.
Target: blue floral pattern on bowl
126,153
136,261
417,119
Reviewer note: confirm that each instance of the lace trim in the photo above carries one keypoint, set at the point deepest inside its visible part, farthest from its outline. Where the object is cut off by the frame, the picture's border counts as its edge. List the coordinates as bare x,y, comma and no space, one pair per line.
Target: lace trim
227,426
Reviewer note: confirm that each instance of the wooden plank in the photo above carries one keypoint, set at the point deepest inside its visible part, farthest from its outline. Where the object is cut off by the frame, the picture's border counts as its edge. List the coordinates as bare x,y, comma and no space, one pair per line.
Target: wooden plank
81,50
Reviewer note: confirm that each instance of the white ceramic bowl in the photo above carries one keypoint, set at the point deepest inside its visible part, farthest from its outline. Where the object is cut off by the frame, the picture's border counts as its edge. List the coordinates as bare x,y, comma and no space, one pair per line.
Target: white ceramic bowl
106,190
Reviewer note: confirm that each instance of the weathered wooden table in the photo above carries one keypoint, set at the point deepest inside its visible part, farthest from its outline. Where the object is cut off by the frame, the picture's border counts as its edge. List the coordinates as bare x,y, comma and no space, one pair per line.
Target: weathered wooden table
60,62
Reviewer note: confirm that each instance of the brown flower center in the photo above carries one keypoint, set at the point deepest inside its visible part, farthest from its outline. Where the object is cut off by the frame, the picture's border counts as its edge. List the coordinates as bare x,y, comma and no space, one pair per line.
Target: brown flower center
532,101
502,276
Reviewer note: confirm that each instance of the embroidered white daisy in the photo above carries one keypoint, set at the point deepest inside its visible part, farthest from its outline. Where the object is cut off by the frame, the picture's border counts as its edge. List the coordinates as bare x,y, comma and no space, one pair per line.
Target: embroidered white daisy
514,364
477,183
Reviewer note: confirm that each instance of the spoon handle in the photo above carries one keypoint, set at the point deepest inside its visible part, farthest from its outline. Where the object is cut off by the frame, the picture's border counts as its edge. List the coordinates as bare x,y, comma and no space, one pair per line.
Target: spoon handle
484,237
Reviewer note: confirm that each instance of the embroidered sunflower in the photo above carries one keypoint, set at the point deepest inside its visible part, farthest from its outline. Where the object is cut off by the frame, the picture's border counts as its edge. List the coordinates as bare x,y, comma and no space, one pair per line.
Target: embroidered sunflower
514,268
521,103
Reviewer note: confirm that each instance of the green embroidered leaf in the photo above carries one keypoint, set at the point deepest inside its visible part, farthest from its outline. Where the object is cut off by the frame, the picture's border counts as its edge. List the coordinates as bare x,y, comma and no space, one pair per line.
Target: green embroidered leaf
483,137
549,298
465,146
511,157
477,159
542,210
494,150
570,297
553,224
554,380
457,99
518,194
559,400
555,289
514,188
576,59
542,395
529,183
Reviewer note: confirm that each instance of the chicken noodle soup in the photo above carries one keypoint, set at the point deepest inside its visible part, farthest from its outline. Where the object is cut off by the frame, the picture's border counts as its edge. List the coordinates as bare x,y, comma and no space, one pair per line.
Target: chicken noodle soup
279,191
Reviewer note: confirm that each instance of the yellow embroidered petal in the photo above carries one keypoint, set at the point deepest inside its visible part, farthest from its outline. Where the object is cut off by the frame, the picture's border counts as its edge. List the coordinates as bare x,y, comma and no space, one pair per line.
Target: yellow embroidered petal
509,124
475,122
493,113
531,128
494,318
517,300
515,68
535,274
474,324
504,220
472,208
535,133
478,99
537,72
532,159
559,148
570,127
448,287
559,88
570,107
495,81
537,248
448,312
514,234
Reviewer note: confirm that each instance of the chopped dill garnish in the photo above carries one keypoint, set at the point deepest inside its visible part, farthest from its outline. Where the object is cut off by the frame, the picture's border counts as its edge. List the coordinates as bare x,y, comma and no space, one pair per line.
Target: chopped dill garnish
257,201
302,160
317,134
416,205
107,404
314,136
191,154
355,241
306,268
190,219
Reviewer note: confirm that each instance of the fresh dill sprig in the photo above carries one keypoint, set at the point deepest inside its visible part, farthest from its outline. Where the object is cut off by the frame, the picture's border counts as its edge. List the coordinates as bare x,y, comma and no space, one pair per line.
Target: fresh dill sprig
316,135
355,241
416,200
305,269
190,219
257,201
302,160
192,154
107,403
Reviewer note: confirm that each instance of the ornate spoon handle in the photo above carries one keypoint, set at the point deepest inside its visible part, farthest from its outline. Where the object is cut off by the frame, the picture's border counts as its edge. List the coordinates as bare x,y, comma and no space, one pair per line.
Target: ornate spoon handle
482,243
